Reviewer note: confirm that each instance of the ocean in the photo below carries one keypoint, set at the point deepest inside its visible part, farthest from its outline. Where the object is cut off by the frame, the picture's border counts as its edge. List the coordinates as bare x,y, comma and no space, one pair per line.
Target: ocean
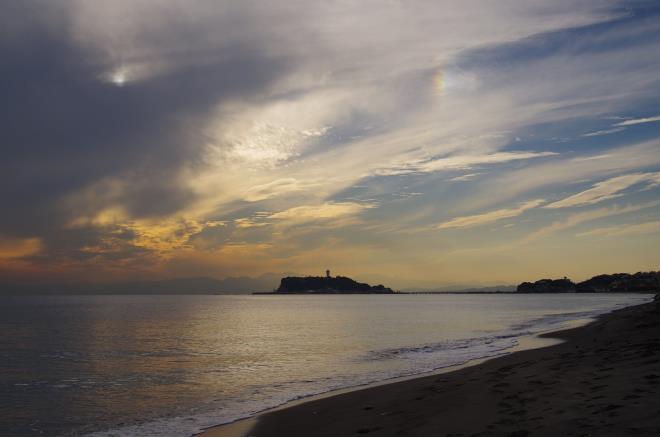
172,365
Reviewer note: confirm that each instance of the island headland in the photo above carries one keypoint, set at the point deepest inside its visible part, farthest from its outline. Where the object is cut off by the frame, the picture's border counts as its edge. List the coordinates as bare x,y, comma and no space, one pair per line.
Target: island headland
640,282
327,285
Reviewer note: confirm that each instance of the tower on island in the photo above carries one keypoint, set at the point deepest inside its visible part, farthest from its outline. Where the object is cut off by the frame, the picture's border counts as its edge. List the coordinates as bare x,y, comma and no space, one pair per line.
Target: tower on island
327,273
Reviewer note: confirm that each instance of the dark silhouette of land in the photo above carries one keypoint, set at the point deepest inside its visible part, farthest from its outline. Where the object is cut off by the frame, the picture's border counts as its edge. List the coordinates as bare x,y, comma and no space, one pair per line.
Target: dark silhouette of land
327,285
183,286
640,282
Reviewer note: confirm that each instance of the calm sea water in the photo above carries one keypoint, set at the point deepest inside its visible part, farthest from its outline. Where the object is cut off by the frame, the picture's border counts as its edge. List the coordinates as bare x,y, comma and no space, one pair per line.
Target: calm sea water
172,365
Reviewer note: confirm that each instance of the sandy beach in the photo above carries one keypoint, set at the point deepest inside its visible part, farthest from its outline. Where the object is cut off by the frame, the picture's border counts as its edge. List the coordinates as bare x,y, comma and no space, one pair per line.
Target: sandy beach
603,380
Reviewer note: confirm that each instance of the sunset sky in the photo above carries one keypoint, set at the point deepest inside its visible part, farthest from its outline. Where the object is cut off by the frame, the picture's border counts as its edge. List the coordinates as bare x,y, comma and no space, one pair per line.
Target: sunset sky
417,143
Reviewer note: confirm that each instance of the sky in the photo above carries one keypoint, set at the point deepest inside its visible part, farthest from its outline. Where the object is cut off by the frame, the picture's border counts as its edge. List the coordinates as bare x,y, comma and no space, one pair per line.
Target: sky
418,143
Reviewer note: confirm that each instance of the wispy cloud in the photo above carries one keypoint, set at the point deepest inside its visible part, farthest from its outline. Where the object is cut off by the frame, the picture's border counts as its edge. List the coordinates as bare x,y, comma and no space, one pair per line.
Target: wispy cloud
634,121
461,162
249,222
624,230
489,217
559,172
276,188
621,126
465,177
608,189
604,132
325,211
468,161
587,216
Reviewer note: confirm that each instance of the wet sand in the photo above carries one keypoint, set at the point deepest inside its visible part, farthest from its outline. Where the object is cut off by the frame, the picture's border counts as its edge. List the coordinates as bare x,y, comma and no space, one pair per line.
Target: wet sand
604,380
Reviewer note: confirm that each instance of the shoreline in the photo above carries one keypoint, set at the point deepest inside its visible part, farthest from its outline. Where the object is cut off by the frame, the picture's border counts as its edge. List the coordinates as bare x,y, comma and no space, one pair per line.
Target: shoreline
379,409
241,427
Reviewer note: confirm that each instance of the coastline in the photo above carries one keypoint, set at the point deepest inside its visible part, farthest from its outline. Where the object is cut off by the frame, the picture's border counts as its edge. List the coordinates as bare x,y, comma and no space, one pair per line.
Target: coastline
602,379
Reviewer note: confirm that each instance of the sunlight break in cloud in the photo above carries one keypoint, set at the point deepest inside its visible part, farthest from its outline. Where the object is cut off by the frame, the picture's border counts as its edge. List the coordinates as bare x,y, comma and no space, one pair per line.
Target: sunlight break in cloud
608,189
268,144
638,121
489,217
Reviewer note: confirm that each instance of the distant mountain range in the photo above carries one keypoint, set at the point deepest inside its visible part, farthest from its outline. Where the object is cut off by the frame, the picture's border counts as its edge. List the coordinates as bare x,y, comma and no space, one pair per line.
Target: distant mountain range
459,289
198,285
618,282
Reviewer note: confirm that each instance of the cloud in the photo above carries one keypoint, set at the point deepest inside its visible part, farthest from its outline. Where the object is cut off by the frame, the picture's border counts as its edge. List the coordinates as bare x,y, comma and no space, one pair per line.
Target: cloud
634,121
465,177
19,248
560,172
467,161
651,227
490,217
276,188
627,121
587,216
607,189
266,144
129,126
249,222
461,162
325,211
74,143
603,132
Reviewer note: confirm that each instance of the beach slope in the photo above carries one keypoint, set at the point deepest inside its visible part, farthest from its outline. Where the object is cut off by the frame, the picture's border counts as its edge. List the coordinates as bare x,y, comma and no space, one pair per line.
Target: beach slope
604,380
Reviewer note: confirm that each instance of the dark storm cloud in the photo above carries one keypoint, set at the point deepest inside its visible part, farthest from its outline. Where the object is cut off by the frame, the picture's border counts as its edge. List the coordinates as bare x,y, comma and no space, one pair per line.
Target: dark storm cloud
63,129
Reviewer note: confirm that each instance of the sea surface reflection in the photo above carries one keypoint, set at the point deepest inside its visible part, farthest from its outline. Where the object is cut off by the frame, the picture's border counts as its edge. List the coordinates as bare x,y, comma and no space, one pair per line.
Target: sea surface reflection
170,365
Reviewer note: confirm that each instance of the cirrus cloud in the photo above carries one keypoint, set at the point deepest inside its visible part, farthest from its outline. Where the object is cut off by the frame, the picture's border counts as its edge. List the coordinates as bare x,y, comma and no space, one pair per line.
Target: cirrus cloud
607,189
635,121
490,217
322,212
624,230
